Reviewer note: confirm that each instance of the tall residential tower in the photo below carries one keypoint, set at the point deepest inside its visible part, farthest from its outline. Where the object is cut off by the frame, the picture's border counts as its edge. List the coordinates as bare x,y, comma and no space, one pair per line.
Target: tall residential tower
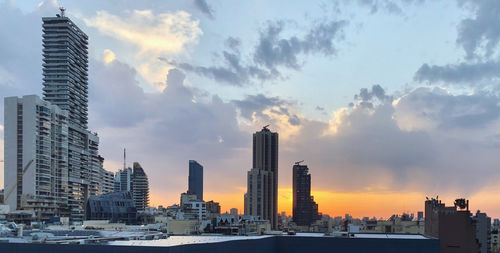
65,81
261,198
140,187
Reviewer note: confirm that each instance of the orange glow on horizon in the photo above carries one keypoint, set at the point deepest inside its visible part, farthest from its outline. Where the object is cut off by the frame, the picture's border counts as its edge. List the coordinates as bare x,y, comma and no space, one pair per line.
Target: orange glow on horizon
357,204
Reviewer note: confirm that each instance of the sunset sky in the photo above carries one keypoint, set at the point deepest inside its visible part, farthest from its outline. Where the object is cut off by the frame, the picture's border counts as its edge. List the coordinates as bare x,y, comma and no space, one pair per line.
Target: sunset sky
387,101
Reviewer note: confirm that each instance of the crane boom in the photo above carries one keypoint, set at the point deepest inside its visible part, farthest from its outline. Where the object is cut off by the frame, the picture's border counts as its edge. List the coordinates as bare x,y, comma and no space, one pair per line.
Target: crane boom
19,177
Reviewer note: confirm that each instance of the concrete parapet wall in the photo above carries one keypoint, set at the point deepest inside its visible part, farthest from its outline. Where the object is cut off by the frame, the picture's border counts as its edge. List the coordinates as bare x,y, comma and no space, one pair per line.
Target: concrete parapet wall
279,244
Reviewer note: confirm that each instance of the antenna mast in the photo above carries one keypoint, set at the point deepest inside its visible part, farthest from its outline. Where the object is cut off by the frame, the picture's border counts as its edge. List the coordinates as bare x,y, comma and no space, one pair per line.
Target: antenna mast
124,158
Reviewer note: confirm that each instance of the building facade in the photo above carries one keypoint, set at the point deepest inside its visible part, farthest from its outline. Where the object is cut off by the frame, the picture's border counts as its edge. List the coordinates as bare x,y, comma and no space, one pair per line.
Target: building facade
65,81
108,182
36,156
123,180
261,198
195,184
140,187
305,209
456,228
213,209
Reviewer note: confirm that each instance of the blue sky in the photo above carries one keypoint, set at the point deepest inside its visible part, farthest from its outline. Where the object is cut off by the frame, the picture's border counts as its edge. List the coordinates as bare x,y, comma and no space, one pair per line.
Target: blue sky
394,95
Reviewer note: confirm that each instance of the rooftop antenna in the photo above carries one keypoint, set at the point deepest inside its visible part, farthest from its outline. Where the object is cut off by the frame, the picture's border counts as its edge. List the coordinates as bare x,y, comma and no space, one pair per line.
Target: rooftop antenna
299,162
62,9
124,158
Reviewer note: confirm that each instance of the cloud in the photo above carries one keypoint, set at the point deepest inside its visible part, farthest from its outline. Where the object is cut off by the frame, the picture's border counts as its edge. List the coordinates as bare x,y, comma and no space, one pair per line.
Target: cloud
206,9
273,54
479,37
367,97
165,126
387,146
435,108
108,56
464,73
153,34
389,6
255,104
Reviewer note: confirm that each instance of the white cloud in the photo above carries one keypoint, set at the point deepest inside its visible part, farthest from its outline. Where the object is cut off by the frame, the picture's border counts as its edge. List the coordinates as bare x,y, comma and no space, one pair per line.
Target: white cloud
108,56
154,35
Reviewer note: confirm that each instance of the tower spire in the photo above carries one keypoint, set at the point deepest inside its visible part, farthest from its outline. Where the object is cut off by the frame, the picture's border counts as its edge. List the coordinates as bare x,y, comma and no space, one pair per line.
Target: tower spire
124,158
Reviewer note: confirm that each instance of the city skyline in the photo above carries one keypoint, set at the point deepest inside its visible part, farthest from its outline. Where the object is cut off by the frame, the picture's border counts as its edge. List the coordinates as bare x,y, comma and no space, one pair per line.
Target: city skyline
169,92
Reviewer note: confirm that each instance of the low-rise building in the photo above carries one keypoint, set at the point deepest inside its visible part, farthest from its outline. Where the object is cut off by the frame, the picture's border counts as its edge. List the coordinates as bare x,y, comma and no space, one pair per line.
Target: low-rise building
241,224
117,207
194,210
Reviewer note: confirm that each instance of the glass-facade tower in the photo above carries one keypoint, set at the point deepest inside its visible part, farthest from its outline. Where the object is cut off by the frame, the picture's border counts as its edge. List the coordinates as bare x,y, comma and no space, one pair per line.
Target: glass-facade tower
195,184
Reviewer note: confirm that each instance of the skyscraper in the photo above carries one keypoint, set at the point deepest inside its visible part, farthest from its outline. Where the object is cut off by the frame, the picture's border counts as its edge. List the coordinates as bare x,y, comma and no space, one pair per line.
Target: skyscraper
65,66
195,184
65,81
123,180
305,210
261,198
140,187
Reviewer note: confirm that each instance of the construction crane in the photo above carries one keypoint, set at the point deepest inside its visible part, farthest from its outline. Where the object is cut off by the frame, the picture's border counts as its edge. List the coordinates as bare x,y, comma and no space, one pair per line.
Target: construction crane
265,127
299,162
19,177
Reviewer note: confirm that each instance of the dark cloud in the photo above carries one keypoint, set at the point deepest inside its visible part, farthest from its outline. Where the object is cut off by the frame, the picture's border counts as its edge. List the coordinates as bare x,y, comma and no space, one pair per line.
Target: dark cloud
389,6
447,112
272,54
206,9
465,73
479,35
367,97
256,104
391,141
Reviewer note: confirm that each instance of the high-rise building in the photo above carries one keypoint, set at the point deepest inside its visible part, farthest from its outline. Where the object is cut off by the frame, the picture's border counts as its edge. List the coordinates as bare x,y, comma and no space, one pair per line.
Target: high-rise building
261,198
195,184
36,156
107,182
65,81
140,187
65,67
305,209
123,180
482,225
